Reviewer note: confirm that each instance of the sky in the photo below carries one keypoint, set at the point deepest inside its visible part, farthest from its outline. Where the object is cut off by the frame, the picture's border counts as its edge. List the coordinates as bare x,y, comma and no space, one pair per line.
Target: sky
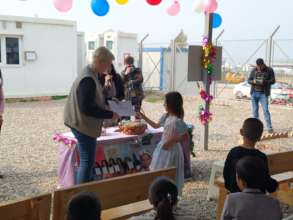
242,19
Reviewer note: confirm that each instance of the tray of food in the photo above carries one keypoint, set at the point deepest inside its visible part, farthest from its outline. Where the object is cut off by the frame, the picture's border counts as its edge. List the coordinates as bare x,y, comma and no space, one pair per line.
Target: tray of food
132,127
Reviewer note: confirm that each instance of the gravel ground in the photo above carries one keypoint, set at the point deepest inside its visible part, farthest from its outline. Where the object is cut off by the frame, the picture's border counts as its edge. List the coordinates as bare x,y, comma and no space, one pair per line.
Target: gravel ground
28,156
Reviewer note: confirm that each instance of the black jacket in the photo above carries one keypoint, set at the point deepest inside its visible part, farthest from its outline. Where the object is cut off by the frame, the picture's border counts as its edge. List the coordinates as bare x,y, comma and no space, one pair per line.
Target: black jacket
118,85
229,172
269,79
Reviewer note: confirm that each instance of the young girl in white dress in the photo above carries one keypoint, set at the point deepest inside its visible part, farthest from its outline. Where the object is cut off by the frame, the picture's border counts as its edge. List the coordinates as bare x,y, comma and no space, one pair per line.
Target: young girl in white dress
169,153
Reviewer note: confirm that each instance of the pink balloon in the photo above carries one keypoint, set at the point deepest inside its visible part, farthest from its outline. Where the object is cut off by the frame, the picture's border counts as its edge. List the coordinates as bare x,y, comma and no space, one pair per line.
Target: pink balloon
210,6
63,5
174,8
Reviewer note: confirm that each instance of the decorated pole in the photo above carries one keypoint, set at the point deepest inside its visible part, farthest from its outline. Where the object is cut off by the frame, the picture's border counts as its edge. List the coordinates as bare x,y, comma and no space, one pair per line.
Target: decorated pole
208,33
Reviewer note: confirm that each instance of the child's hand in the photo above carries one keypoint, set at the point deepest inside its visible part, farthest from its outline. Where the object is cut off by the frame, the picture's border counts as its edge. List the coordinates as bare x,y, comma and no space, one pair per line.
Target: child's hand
115,99
176,138
140,115
115,116
185,136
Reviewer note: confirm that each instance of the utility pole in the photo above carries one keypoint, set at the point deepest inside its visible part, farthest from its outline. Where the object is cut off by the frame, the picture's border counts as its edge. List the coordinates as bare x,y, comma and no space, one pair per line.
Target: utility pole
208,32
271,45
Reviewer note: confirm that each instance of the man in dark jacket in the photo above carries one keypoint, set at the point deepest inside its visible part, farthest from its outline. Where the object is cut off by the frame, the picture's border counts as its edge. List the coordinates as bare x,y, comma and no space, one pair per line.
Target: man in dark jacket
261,78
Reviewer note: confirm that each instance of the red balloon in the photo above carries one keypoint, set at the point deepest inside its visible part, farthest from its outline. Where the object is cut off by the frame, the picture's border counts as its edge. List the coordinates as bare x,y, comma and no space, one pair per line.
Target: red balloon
154,2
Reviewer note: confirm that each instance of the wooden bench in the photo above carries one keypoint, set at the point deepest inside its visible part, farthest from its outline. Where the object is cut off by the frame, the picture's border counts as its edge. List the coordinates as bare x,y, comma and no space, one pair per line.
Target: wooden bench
281,169
121,197
37,208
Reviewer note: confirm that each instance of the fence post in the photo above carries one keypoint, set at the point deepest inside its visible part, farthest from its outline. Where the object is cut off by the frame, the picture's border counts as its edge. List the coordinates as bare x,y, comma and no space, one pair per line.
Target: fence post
271,45
214,82
173,65
140,60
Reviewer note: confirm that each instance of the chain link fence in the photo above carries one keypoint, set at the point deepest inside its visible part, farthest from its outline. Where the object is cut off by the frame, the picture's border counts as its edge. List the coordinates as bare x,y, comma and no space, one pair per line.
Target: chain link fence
165,64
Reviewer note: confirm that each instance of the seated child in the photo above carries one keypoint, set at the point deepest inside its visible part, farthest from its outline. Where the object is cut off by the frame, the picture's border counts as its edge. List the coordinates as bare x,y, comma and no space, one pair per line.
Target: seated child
146,160
163,195
252,203
84,206
251,132
181,136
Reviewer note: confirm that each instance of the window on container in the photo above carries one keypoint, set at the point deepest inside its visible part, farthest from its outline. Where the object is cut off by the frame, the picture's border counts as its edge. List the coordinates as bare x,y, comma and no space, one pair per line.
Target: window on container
91,45
109,44
12,51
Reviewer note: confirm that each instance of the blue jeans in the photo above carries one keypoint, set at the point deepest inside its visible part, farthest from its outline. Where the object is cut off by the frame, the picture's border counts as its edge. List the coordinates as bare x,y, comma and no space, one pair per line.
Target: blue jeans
87,153
257,97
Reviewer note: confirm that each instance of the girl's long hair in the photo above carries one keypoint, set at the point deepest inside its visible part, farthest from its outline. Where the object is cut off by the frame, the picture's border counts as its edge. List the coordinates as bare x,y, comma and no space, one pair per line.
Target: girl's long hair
174,104
163,196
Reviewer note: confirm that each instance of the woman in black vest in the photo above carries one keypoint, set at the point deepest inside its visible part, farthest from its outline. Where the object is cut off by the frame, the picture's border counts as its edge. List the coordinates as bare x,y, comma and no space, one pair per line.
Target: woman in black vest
85,111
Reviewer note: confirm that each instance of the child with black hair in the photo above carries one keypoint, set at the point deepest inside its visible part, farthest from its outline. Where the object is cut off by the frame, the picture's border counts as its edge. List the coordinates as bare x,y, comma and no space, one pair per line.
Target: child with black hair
174,102
251,132
146,160
84,206
168,152
251,203
163,195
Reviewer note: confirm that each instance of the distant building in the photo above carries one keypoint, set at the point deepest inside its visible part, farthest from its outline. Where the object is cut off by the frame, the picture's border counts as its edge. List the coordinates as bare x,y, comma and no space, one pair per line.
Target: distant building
121,45
39,57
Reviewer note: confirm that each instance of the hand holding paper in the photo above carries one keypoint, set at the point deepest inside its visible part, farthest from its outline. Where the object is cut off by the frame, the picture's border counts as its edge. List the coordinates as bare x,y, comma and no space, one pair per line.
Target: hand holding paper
123,108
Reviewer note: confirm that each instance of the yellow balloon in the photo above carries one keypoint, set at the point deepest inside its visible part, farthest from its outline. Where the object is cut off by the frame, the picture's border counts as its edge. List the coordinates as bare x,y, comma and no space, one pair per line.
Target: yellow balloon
122,2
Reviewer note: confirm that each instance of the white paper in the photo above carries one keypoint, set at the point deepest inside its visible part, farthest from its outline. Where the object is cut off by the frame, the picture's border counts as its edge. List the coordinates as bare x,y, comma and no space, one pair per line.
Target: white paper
123,108
105,170
117,168
98,171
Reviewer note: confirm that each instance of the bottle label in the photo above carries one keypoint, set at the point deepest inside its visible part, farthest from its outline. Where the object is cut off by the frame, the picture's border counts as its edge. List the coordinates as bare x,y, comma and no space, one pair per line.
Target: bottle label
130,165
98,172
111,170
117,168
105,170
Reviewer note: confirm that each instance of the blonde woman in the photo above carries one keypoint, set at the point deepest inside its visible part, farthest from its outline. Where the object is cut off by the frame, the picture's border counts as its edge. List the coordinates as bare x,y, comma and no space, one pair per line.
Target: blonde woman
85,111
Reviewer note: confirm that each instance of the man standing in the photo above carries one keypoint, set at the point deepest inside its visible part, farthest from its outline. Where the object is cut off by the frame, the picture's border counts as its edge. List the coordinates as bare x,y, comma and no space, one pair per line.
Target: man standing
133,79
261,78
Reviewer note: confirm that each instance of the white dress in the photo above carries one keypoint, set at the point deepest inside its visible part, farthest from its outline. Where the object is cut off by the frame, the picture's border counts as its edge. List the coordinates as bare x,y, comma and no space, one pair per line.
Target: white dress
173,157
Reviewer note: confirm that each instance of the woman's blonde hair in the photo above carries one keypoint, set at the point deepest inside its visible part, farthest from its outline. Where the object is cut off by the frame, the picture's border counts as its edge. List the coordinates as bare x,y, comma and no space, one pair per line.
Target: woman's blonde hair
103,55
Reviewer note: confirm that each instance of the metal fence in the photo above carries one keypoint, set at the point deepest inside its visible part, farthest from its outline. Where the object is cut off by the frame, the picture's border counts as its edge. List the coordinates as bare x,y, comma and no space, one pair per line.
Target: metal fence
240,55
165,64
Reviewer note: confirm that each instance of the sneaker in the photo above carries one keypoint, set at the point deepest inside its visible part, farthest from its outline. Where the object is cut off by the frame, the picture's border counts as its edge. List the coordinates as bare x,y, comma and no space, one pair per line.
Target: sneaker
270,131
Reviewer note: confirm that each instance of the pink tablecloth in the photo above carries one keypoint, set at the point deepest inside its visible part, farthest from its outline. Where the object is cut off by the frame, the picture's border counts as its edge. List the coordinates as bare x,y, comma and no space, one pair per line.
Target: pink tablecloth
68,153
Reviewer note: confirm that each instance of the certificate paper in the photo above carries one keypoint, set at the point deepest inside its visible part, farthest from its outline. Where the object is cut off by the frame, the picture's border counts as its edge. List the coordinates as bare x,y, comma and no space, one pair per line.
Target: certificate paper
123,108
